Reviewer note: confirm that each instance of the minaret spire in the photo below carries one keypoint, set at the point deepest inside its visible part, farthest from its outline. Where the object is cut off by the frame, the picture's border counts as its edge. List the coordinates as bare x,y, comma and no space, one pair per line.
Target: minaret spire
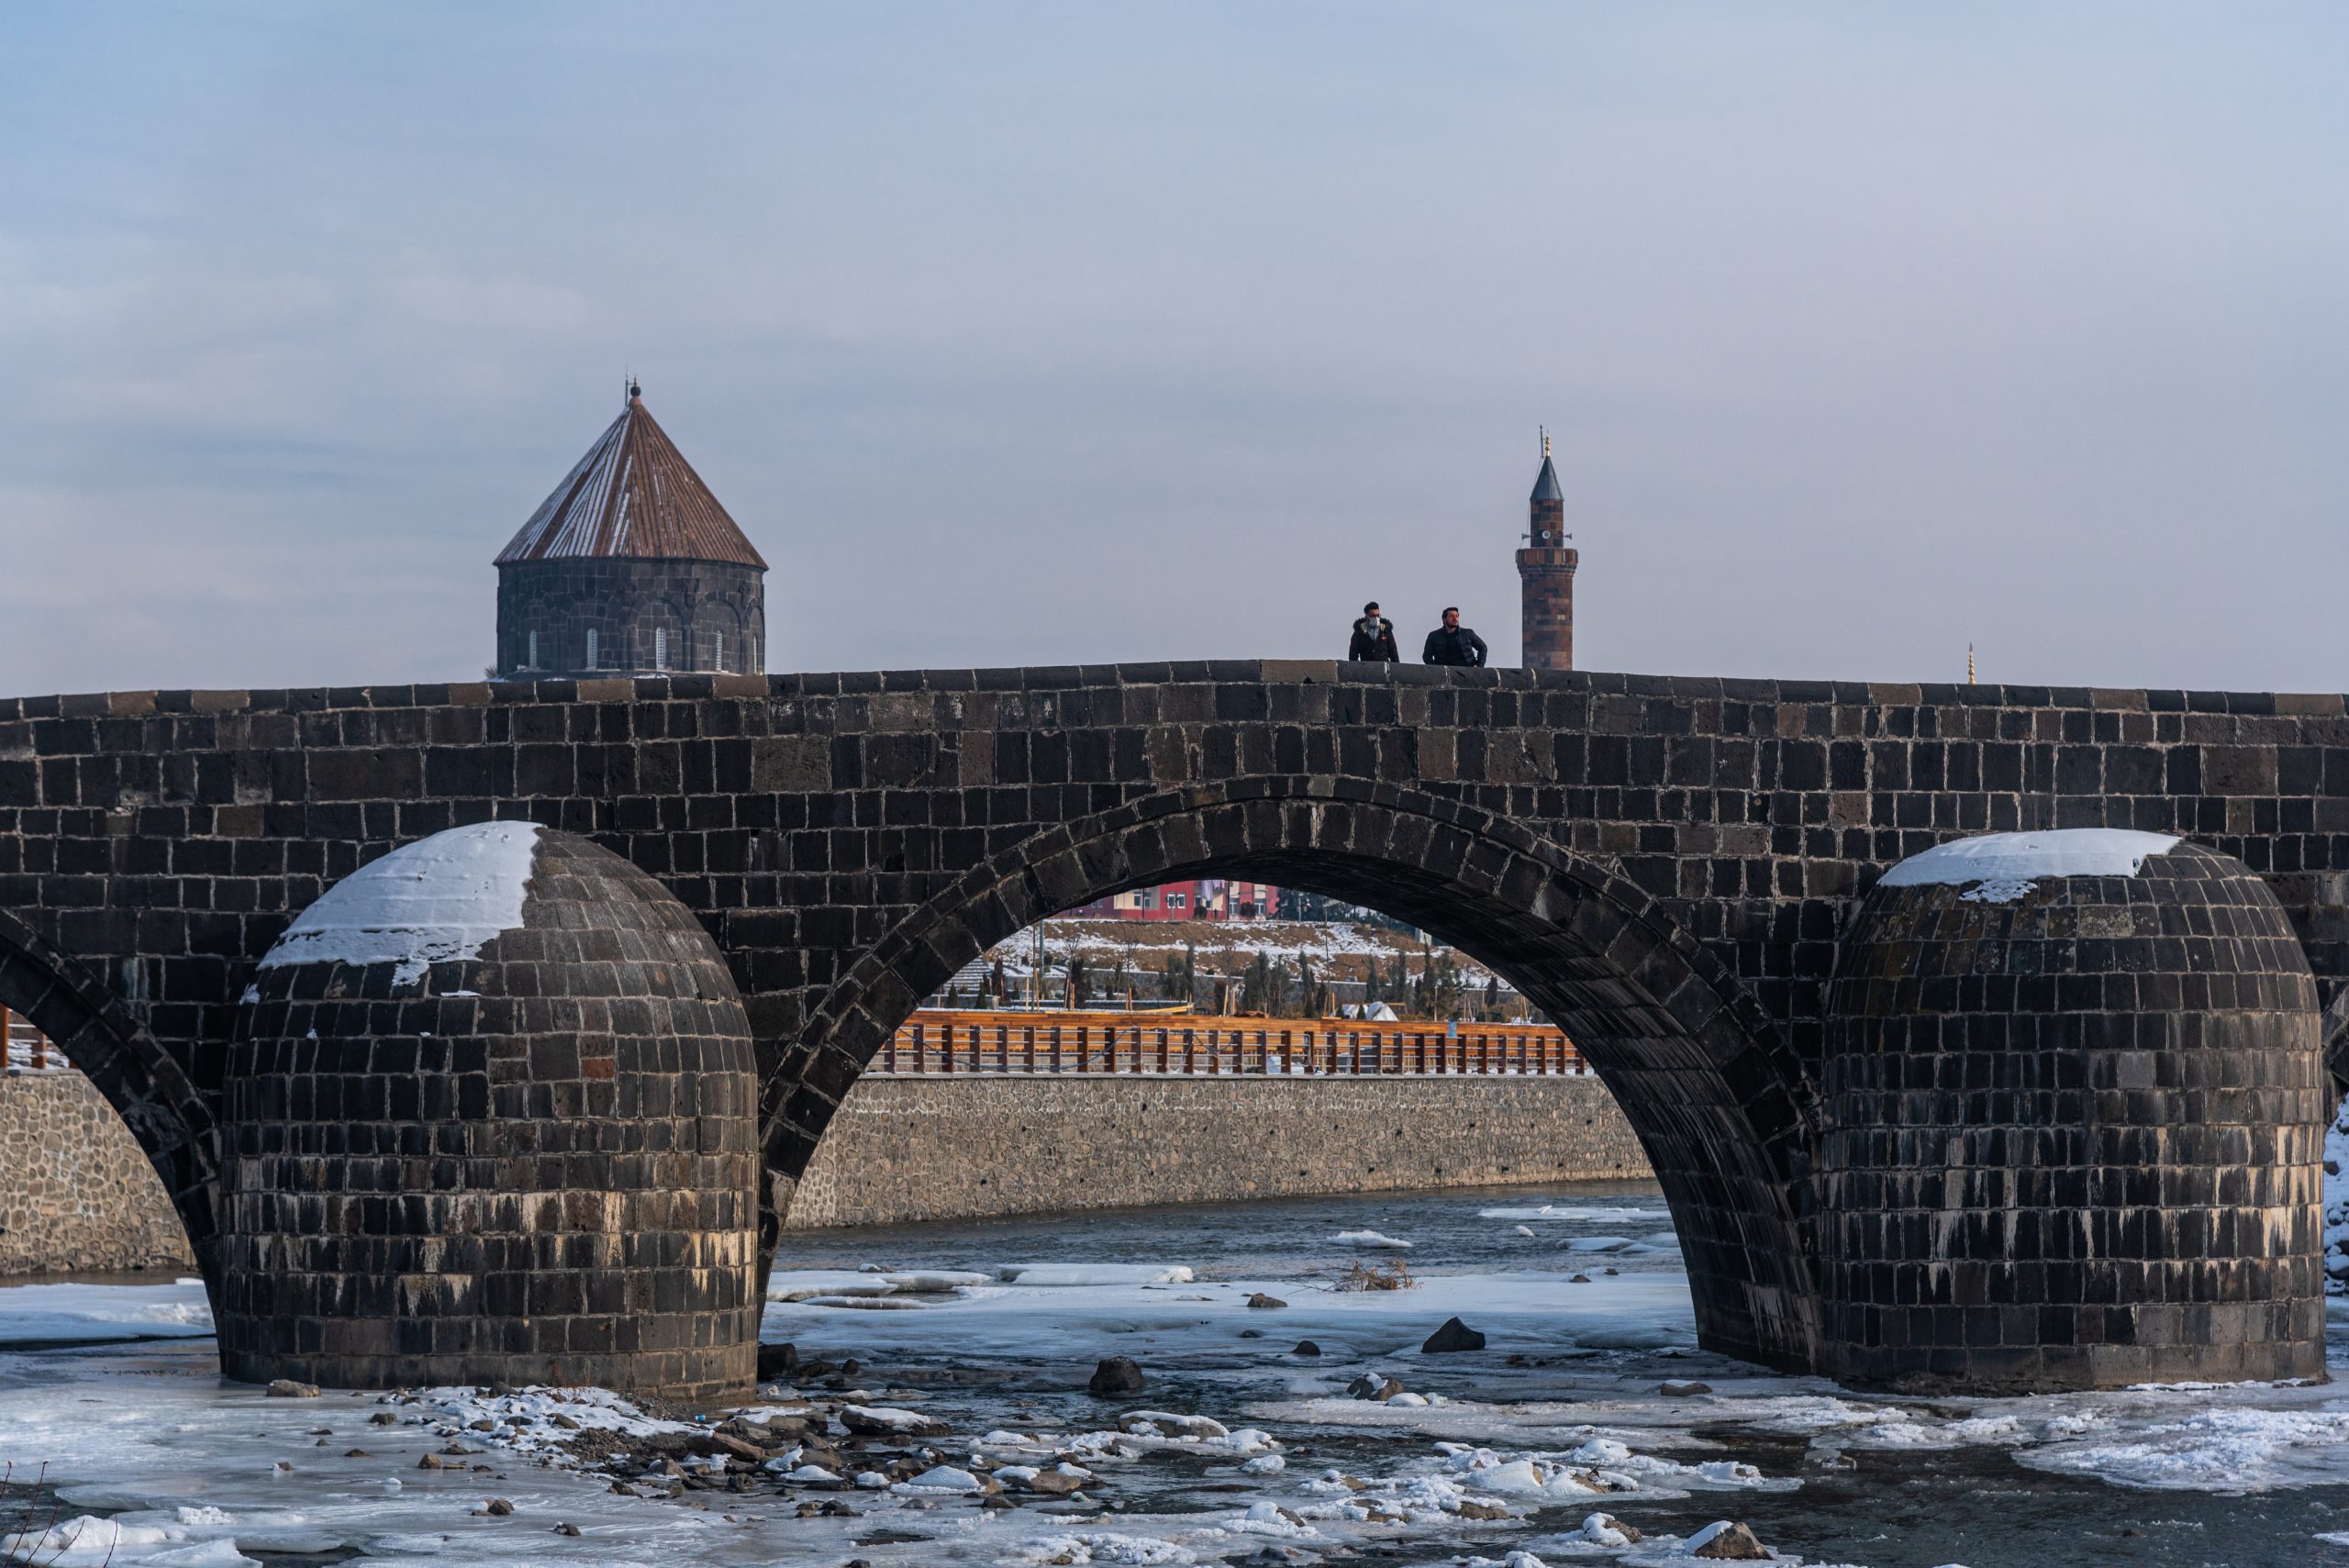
1545,571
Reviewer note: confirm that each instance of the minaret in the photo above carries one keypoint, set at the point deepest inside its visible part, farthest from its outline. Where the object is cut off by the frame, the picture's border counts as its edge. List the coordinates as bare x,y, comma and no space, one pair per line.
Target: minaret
1545,571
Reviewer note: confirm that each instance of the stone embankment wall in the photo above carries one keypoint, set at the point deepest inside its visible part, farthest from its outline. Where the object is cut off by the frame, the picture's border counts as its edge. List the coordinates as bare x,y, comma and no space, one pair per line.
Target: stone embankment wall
76,1194
942,1148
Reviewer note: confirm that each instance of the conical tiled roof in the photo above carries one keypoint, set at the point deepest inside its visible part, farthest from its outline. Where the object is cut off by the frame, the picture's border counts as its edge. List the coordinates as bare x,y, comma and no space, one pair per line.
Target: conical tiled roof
633,495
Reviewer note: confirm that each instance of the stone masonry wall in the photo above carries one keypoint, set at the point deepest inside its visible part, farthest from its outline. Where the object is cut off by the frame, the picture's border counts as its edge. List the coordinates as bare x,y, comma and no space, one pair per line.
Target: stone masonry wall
76,1194
905,1148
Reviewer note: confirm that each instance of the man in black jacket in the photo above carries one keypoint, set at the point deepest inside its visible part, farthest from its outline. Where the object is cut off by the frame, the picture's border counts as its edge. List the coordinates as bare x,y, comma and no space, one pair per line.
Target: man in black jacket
1374,641
1453,643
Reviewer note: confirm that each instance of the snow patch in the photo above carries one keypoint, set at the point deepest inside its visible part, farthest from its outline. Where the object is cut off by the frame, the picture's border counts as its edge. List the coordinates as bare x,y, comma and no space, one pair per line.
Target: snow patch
2002,867
439,898
889,1417
941,1478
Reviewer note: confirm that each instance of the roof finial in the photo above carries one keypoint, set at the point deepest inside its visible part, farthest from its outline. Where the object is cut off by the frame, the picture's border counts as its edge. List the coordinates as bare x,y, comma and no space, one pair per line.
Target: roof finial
1545,440
634,391
1969,664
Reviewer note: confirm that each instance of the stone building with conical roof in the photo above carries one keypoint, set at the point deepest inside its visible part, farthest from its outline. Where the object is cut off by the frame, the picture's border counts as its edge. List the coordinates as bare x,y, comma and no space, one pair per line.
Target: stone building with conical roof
630,568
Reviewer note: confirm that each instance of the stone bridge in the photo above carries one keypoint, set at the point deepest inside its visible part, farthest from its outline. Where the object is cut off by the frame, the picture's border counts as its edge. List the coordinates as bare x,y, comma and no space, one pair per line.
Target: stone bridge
1666,866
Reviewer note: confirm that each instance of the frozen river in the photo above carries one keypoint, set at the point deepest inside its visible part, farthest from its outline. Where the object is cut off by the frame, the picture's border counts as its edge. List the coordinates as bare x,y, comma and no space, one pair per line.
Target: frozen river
1236,1449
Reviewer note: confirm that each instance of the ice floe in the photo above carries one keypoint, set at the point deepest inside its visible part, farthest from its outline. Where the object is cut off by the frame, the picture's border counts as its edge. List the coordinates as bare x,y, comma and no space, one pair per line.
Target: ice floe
1075,1275
93,1314
1576,1213
1373,1240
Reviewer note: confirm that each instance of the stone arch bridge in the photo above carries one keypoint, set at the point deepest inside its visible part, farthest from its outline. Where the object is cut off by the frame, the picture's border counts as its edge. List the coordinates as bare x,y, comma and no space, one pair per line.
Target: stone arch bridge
1665,865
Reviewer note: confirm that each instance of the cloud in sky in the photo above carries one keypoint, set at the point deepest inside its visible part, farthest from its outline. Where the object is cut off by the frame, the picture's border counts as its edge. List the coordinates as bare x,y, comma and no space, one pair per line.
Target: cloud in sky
1056,333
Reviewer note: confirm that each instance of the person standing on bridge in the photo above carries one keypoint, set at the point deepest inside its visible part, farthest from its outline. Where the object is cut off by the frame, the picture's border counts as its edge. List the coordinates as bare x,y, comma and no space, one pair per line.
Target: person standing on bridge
1374,641
1453,643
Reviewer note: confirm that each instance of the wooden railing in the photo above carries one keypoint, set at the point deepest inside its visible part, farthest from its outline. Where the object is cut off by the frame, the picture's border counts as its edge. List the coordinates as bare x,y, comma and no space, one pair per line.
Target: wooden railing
21,1045
1198,1044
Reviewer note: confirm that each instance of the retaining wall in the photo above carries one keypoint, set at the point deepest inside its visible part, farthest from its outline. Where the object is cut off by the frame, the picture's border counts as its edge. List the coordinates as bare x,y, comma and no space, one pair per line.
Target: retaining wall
939,1148
76,1194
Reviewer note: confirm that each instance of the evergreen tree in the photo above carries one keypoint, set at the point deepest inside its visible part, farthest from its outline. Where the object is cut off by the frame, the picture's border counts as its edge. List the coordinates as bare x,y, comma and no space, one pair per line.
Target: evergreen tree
1256,986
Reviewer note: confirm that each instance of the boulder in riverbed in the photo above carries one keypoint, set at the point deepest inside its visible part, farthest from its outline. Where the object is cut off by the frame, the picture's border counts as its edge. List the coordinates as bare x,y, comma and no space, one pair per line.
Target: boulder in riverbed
1453,1336
884,1421
1723,1540
1119,1374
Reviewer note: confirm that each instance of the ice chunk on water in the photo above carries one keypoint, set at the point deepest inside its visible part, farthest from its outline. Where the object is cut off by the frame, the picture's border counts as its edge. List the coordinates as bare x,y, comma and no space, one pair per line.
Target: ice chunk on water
1373,1240
88,1539
1102,1547
1579,1212
1073,1275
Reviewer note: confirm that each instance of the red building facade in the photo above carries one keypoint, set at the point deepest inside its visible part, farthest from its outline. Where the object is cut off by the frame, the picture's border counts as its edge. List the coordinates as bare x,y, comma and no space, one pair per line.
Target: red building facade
1213,898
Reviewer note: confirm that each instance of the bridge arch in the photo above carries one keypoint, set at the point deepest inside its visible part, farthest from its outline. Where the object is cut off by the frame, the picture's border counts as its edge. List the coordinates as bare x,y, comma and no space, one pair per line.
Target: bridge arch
171,1118
1725,1112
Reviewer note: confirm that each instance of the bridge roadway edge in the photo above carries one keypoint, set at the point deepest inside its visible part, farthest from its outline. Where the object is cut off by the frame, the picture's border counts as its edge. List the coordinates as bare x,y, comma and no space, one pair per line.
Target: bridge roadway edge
162,839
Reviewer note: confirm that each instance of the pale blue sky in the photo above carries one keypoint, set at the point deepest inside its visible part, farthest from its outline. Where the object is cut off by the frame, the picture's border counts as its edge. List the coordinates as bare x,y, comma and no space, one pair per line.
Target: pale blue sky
1027,333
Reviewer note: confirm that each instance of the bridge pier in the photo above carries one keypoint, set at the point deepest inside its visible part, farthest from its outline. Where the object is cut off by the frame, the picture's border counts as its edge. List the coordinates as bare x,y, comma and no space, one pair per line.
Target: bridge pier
2074,1123
491,1120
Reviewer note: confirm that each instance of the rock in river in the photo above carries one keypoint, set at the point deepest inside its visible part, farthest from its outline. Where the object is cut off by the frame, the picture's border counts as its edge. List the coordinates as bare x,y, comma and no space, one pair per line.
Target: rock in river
1119,1374
1453,1336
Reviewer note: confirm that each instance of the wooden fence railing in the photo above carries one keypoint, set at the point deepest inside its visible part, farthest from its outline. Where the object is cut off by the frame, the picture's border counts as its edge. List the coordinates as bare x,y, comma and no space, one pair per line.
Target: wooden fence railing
21,1045
939,1042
